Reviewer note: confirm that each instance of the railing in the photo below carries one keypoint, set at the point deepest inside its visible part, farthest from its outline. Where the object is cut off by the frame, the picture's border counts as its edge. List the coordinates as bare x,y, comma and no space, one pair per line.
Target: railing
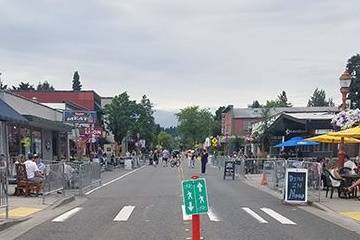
53,178
275,172
81,176
4,186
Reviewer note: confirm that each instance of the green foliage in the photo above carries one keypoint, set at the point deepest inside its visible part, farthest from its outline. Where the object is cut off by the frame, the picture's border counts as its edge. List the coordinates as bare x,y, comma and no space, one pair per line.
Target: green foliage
172,131
318,99
24,86
45,86
121,116
353,67
265,137
281,101
216,130
126,118
76,84
165,140
195,125
145,123
255,104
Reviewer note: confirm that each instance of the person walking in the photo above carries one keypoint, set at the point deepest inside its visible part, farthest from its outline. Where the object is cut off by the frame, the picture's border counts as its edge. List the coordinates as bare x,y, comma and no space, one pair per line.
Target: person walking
204,160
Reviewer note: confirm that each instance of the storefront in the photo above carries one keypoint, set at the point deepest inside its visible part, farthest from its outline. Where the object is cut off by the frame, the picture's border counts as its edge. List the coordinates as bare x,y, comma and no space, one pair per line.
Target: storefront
40,136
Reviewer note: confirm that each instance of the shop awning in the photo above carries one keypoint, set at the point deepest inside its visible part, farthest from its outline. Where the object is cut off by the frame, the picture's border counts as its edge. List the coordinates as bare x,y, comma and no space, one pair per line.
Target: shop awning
8,114
43,123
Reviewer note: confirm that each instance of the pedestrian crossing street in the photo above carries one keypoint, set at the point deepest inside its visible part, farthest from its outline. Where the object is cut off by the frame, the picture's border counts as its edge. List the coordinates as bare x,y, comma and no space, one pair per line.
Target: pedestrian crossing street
125,213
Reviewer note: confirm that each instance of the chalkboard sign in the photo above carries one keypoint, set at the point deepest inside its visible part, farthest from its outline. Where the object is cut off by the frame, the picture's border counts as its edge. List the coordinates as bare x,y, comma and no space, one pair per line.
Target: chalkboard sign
229,169
296,185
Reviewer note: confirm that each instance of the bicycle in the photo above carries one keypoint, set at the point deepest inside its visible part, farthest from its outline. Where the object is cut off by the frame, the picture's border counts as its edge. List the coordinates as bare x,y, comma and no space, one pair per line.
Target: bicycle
175,162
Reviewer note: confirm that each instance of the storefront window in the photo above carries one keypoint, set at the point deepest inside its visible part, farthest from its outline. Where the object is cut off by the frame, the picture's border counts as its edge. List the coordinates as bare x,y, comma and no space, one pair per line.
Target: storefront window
19,140
36,142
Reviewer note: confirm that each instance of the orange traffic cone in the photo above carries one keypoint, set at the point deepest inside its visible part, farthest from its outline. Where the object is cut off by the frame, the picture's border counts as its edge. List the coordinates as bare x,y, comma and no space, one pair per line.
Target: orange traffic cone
264,180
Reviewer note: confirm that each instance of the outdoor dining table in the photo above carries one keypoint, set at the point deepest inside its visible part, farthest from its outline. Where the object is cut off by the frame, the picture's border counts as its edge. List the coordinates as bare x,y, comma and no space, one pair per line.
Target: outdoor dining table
349,179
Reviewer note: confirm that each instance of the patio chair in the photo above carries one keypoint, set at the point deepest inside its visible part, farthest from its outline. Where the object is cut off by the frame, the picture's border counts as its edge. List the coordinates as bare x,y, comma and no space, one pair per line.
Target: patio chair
329,187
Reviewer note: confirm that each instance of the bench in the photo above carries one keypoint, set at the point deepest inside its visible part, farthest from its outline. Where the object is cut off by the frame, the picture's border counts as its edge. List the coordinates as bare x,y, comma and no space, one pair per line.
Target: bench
24,187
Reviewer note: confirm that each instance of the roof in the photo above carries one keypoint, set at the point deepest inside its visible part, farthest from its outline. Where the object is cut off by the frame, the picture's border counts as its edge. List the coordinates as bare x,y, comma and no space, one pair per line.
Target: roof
89,100
312,115
43,123
7,113
257,113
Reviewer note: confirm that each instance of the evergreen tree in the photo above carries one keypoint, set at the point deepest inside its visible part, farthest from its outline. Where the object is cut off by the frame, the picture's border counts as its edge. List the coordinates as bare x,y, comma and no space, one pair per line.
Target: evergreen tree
283,100
25,86
45,86
318,99
76,84
255,104
353,67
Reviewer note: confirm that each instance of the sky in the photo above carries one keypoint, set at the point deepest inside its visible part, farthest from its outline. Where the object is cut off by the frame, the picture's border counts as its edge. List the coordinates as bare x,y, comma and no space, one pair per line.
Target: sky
179,53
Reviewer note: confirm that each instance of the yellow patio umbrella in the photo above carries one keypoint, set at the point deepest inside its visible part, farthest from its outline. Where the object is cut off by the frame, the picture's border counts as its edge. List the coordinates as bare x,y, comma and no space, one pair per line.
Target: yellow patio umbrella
326,138
351,132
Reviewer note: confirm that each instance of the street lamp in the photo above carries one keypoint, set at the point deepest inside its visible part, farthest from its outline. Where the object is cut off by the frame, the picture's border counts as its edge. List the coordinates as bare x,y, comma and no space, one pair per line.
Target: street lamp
345,81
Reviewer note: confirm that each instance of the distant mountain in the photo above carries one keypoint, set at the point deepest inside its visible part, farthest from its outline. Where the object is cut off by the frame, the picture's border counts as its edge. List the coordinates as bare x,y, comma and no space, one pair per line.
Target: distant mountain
165,118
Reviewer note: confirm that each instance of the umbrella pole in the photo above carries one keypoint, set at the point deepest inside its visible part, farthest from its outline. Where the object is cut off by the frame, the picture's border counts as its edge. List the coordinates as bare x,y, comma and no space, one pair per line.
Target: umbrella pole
341,154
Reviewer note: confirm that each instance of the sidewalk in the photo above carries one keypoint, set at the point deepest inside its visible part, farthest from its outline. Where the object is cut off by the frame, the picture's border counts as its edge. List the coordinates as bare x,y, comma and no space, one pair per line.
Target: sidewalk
22,208
345,207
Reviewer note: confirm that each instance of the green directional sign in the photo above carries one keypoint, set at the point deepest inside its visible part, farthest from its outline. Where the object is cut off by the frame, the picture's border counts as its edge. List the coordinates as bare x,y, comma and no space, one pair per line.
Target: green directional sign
195,196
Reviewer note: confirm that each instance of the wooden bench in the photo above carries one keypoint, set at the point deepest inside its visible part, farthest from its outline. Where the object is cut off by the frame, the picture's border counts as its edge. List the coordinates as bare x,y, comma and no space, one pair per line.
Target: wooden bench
24,186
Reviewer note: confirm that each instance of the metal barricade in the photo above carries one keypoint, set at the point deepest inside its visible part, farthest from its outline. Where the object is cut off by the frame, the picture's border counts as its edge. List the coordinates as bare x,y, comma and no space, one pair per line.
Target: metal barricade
275,172
269,171
314,180
4,186
81,176
53,179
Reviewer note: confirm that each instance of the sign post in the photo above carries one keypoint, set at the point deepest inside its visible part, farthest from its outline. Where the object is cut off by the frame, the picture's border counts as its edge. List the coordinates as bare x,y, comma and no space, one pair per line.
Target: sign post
195,202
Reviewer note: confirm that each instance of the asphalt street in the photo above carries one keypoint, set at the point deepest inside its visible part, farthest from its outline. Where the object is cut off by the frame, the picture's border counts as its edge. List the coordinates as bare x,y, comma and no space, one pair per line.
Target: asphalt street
147,204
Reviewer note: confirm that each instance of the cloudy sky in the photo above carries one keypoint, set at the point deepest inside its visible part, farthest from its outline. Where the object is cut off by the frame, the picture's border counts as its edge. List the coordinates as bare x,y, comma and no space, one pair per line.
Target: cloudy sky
203,52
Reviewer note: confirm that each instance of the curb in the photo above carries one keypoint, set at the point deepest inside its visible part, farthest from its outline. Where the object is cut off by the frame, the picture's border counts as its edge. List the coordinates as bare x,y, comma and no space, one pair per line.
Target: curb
11,222
63,201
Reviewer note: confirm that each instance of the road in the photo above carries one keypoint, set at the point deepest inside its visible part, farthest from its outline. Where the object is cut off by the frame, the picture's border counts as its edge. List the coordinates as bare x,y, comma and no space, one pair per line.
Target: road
146,205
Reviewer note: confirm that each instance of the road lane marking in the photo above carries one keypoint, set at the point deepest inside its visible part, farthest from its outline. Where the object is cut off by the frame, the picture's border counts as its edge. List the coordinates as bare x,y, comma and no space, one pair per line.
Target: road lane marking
212,216
114,180
124,214
185,216
254,215
67,215
280,218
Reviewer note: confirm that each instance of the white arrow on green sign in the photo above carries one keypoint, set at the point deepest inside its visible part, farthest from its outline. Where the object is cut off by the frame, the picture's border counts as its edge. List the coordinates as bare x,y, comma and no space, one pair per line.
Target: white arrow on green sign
195,196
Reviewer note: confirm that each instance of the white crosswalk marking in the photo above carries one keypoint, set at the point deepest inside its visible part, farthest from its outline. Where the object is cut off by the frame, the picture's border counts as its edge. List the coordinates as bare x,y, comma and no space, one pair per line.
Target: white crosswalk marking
254,215
124,214
185,216
212,216
277,216
67,215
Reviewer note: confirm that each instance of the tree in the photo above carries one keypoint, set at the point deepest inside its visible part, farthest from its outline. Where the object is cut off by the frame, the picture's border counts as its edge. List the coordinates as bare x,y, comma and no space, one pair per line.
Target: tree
255,104
76,84
25,86
281,101
216,130
353,68
45,86
121,115
165,140
318,99
195,125
145,122
265,136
